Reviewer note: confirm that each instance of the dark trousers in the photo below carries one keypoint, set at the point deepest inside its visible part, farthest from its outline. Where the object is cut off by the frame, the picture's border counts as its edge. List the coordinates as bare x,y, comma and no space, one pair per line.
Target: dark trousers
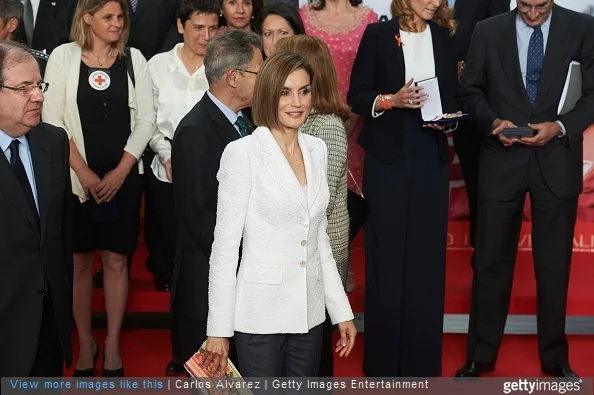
49,360
161,226
498,231
191,334
327,355
280,355
467,144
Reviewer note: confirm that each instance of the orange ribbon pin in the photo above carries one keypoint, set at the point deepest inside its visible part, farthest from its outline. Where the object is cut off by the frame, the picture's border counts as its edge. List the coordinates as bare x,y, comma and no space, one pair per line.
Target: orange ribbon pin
399,40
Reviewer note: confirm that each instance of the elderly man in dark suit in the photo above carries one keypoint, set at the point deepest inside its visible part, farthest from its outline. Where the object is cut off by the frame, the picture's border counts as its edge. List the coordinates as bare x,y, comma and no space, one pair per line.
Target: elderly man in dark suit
35,235
514,76
231,63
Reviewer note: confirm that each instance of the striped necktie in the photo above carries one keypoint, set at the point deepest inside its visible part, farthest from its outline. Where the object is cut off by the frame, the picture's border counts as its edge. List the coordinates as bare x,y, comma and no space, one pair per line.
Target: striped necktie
134,4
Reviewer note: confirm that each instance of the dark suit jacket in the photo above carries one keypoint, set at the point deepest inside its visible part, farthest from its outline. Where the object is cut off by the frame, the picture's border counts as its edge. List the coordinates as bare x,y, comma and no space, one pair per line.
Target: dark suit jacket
198,145
153,27
379,69
468,13
492,87
27,250
52,26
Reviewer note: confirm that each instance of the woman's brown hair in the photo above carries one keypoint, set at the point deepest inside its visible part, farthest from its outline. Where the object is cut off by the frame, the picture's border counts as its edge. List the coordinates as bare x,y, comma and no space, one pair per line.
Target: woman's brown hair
325,95
443,16
80,31
270,83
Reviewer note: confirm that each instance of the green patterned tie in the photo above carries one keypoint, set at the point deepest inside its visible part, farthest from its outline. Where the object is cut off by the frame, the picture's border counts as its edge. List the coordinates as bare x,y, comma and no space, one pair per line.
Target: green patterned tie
243,128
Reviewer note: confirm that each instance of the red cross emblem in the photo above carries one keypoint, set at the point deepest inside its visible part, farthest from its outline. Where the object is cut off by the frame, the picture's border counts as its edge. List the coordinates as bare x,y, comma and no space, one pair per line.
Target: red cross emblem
100,80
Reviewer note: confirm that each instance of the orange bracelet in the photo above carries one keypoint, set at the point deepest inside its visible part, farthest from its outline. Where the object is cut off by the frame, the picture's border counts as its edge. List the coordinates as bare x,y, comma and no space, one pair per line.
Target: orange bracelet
384,101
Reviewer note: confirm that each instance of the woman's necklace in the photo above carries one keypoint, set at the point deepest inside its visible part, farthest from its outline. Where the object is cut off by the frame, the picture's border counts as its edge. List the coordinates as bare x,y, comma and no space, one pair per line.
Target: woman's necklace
186,63
97,59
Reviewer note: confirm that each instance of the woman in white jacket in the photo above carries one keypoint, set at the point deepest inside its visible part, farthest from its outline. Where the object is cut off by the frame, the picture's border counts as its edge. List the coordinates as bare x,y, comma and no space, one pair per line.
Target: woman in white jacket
109,119
273,193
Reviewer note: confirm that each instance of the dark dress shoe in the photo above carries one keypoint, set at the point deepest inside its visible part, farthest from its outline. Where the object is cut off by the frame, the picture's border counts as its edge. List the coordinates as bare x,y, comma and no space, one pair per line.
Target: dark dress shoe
91,371
473,369
559,371
174,368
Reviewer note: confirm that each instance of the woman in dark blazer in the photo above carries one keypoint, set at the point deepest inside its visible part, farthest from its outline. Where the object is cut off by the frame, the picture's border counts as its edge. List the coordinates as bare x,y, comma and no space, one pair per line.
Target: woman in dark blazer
406,182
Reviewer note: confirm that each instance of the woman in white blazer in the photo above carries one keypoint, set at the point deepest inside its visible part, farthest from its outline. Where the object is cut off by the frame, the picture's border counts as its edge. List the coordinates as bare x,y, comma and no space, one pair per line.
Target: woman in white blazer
273,194
109,118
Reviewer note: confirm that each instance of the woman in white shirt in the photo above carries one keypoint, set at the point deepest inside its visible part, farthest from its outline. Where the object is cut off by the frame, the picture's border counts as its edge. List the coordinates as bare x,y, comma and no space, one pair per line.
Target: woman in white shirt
179,81
102,98
273,193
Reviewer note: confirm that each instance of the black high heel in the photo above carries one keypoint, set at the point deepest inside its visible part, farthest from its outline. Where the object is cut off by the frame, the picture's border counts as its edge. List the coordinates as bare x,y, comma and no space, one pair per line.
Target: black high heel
91,371
112,373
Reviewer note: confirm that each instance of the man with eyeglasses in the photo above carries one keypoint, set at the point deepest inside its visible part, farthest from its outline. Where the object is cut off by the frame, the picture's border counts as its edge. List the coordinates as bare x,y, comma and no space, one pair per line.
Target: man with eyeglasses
36,223
514,77
231,65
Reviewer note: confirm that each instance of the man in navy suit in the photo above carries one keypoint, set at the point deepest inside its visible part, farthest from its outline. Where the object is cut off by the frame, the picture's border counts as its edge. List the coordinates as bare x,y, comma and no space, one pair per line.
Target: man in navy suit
515,74
231,63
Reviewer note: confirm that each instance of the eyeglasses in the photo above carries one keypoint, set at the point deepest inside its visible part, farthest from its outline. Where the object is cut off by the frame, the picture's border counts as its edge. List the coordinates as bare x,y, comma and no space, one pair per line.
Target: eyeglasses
247,71
28,89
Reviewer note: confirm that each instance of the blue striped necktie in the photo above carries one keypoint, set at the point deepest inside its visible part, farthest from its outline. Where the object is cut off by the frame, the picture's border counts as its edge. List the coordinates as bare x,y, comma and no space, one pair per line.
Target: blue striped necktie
134,3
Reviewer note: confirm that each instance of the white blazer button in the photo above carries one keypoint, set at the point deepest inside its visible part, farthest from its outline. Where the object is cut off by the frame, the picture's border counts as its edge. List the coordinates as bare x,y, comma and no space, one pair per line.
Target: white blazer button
306,224
303,243
302,263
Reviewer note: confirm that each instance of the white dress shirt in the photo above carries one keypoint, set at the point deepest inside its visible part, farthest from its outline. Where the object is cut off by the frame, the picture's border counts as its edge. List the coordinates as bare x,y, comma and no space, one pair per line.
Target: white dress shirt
229,114
175,93
25,154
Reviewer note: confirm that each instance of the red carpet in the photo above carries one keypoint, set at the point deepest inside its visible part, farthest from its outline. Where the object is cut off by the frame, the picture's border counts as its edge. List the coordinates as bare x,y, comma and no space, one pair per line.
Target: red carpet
145,298
145,353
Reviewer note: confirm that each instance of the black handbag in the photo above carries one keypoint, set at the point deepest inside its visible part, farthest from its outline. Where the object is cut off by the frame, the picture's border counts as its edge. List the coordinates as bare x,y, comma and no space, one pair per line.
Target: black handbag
358,209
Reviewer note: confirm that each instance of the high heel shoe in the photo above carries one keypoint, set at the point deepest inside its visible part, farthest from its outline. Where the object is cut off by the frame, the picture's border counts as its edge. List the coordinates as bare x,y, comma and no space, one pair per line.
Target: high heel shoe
91,371
112,373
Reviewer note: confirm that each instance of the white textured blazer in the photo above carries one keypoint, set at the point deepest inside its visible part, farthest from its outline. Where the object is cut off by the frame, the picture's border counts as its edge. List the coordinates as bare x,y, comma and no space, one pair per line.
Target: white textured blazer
61,109
287,274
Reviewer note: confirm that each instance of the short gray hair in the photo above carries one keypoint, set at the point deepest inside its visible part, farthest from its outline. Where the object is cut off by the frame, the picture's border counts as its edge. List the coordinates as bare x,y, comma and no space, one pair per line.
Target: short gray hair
11,9
11,53
233,49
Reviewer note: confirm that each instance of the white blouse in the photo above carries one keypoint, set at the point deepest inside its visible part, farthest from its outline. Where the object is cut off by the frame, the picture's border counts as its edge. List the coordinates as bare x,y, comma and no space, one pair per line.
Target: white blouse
175,93
419,63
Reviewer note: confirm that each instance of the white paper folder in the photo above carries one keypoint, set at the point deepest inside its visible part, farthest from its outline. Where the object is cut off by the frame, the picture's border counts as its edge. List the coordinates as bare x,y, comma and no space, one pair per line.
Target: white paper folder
572,91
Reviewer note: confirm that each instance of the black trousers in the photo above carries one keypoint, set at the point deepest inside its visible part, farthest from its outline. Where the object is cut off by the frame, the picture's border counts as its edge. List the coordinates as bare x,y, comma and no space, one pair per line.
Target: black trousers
49,360
498,231
280,355
190,335
161,226
467,145
327,354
